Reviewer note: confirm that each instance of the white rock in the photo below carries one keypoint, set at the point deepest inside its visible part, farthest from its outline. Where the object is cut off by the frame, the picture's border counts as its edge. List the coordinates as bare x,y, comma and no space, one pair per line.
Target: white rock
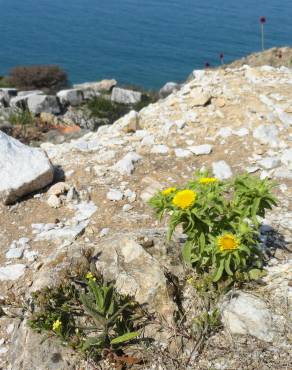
127,207
128,123
201,149
269,162
104,232
168,89
125,96
286,158
125,166
100,86
182,153
23,169
221,170
160,149
70,97
241,132
245,314
267,134
43,103
147,140
225,132
54,202
58,189
11,272
114,195
15,253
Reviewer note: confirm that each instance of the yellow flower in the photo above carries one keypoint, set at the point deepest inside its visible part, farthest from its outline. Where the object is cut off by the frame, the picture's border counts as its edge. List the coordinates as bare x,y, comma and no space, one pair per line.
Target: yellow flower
168,191
184,198
57,325
89,276
227,242
208,180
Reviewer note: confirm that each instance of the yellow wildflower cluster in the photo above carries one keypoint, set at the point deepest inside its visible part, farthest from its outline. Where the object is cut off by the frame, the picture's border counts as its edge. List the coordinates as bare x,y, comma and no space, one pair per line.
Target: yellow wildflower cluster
184,198
208,180
168,191
227,242
57,325
89,276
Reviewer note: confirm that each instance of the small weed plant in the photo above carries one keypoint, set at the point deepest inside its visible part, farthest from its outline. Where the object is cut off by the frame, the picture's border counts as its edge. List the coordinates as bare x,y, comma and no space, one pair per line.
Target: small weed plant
220,219
89,316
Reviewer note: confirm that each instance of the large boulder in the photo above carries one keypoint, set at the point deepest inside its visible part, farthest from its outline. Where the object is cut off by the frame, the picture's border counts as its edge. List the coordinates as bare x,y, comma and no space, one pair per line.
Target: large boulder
22,169
101,86
20,101
125,96
6,94
168,89
71,97
43,103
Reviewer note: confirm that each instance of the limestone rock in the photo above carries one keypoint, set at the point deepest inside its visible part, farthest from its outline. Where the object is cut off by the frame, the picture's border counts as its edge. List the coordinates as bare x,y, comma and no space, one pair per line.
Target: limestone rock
127,124
124,96
201,149
43,103
11,272
125,166
101,86
58,189
267,134
245,314
135,271
221,170
23,169
168,89
53,201
70,97
152,188
6,94
114,195
269,163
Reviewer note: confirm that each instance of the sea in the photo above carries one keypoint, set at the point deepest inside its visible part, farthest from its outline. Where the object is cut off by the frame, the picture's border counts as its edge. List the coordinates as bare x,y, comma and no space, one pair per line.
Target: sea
138,42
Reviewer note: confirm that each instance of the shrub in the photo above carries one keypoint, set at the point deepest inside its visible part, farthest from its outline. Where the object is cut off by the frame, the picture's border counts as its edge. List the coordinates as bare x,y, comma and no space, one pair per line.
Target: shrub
220,220
43,77
4,82
103,108
23,118
87,315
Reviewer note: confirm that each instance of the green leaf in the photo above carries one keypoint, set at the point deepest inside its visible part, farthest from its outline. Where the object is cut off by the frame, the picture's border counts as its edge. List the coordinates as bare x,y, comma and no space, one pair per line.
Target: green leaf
125,338
219,271
227,265
255,274
187,252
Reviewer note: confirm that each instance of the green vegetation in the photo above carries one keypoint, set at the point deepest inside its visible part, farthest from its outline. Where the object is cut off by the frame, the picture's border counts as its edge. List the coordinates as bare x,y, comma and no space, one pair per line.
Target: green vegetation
221,222
87,315
4,82
21,117
102,107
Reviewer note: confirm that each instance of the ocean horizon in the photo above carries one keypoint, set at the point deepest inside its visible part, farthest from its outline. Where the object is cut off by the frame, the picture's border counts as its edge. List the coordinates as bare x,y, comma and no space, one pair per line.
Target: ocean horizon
144,43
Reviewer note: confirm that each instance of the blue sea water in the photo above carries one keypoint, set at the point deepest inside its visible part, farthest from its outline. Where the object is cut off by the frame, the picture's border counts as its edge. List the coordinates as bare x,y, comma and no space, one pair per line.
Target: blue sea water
141,42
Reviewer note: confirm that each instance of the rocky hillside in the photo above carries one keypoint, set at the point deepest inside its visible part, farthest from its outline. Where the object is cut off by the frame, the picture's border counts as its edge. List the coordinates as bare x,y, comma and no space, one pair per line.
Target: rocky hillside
229,121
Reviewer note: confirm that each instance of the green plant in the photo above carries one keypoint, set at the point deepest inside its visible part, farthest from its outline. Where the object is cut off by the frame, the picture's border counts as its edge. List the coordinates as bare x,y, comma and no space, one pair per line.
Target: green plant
220,220
111,313
90,316
103,108
23,118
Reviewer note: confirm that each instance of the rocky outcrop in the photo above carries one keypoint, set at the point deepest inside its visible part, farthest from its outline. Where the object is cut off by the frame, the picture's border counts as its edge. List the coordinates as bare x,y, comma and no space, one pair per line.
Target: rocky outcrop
23,170
124,96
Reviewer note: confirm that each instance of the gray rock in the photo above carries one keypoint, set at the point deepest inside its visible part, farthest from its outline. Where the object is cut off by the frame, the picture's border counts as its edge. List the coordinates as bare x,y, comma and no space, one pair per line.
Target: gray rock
71,97
182,153
269,162
124,96
201,149
160,149
267,134
168,89
11,272
6,94
114,195
97,87
125,166
135,271
286,158
245,314
20,101
23,169
221,170
31,352
43,103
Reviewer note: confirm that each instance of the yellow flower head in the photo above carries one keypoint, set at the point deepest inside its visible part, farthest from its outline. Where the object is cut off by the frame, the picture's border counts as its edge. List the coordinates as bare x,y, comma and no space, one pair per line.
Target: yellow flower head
57,325
227,242
184,198
208,180
89,276
168,191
